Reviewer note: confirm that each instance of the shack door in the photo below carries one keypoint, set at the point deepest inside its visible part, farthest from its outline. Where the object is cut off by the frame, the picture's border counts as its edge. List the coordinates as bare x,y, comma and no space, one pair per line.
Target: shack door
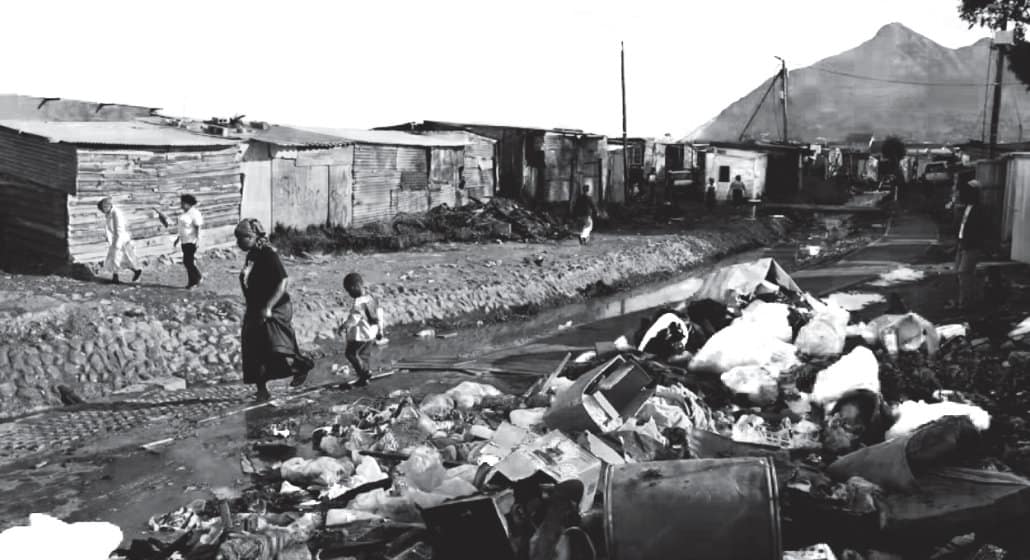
257,191
341,193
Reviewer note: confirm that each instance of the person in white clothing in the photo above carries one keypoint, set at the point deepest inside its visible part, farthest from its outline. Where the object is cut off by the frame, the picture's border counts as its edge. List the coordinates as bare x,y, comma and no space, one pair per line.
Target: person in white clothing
364,326
121,252
190,223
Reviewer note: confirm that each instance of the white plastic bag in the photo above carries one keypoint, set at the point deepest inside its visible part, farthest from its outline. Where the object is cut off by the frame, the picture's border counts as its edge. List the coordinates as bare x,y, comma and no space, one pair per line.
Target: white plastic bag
468,394
773,318
857,370
323,471
912,415
423,469
824,335
759,384
527,417
49,538
743,344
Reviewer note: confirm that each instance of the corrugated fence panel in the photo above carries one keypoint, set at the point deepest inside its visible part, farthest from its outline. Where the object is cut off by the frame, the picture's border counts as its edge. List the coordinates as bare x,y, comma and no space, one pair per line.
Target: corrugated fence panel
38,161
413,163
375,177
33,222
140,181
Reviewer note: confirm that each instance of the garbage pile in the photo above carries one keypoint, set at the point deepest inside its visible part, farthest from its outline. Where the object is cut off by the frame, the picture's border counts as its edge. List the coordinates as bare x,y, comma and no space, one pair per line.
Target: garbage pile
755,421
499,218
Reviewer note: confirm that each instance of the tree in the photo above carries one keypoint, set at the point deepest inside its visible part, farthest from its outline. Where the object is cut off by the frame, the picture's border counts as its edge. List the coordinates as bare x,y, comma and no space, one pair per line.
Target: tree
998,15
894,151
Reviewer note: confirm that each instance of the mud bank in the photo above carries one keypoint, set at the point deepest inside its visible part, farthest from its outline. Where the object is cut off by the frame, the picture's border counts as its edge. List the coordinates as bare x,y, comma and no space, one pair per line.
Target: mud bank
507,287
98,343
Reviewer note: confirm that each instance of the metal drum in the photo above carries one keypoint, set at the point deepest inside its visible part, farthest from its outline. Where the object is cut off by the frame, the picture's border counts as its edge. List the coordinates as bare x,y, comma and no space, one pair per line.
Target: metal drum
708,509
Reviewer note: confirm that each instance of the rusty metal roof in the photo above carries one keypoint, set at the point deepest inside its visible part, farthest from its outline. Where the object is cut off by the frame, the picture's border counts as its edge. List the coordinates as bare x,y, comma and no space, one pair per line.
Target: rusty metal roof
388,137
114,133
290,137
471,127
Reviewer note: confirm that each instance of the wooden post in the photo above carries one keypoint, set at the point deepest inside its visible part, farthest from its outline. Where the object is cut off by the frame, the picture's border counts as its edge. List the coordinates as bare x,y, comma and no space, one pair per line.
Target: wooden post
783,83
999,74
625,146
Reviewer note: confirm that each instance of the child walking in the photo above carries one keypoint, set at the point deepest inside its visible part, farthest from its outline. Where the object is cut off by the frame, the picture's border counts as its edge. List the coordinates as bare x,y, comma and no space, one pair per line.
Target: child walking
363,327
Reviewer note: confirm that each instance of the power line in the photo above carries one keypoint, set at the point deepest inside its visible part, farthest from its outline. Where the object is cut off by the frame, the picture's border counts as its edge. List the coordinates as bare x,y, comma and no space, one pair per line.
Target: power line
903,82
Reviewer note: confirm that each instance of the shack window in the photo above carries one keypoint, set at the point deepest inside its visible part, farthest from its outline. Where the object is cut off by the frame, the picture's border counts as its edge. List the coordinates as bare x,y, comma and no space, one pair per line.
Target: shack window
724,174
636,155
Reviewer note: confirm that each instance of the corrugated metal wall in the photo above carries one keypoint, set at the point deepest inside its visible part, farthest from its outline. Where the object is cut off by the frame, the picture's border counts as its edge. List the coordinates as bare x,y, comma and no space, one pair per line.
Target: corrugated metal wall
33,223
312,187
138,181
38,161
479,163
388,180
1018,205
991,174
444,177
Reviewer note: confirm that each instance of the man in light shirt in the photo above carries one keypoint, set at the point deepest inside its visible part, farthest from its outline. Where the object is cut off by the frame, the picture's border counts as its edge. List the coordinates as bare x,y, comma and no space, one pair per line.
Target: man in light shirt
121,252
190,223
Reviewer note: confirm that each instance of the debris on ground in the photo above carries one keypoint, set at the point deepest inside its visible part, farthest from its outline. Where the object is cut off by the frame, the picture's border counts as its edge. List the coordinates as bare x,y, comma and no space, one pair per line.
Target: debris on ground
755,421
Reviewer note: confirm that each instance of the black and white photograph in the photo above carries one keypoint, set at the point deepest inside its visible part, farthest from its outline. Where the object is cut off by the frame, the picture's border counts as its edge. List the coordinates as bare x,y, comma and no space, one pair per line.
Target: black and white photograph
536,280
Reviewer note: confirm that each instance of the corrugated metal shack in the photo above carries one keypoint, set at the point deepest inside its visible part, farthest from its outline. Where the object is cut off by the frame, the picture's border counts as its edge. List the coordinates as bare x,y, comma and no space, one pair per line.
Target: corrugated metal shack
771,171
345,177
538,166
56,172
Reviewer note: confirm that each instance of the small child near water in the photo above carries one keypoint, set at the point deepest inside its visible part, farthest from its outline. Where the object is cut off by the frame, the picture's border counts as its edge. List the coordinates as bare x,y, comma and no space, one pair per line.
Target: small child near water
363,327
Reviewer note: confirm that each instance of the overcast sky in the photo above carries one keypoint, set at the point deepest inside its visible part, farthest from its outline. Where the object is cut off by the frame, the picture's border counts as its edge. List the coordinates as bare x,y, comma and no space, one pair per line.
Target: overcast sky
361,64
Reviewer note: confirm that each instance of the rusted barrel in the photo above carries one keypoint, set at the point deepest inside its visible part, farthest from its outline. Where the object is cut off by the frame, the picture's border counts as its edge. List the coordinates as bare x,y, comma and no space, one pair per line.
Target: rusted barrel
710,509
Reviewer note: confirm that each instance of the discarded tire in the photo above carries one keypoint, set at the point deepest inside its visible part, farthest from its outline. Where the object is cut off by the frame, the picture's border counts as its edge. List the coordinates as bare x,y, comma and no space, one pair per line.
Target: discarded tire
710,509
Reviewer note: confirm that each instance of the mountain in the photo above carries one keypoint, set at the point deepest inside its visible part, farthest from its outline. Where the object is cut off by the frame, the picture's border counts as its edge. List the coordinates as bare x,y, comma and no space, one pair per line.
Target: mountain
835,97
24,107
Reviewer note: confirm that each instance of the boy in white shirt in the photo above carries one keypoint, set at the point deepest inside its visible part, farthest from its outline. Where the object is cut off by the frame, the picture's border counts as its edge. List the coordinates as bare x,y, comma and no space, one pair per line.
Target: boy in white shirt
363,327
190,222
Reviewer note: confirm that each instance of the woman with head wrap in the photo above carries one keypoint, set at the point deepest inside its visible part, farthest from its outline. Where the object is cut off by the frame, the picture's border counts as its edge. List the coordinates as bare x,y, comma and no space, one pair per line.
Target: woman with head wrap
121,252
269,345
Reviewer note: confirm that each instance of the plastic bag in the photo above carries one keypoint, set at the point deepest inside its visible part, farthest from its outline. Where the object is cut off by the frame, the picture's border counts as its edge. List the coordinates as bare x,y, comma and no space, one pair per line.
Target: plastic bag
323,471
468,394
857,370
744,344
437,406
909,332
773,318
47,537
913,415
825,334
423,469
398,508
527,417
760,385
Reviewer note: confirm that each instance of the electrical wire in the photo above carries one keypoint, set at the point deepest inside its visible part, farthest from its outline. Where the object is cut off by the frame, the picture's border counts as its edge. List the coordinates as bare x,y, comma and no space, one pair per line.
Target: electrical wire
902,82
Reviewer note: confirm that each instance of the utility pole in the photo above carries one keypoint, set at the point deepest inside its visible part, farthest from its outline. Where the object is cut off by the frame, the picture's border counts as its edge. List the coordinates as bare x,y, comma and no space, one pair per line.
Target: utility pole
783,97
625,144
999,74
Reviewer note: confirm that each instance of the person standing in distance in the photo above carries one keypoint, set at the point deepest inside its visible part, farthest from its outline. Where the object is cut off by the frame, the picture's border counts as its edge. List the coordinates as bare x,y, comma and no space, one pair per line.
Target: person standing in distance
190,223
